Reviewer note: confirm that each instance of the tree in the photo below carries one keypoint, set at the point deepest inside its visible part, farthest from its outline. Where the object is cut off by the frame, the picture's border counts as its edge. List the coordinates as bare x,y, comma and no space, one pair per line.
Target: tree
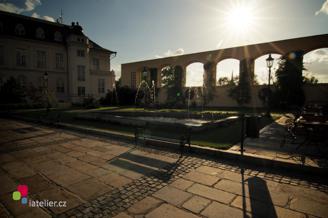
290,81
172,81
11,92
223,81
310,80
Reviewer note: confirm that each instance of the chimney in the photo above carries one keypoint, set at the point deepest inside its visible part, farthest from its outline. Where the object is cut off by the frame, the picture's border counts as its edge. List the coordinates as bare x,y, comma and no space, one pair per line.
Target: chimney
73,24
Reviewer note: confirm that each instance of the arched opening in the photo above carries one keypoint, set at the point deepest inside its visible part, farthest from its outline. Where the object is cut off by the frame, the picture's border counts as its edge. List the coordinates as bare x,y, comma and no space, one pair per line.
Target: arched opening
316,64
261,71
227,72
194,74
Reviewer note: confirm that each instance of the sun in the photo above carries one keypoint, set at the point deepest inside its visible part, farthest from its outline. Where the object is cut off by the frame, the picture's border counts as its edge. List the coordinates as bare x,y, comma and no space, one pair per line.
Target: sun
239,19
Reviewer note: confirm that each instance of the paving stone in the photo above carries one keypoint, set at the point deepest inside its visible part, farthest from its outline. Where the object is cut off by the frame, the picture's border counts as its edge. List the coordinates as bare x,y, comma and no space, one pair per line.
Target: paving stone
16,208
7,184
310,207
4,158
181,184
211,193
58,194
168,211
172,195
144,206
285,213
89,189
75,153
18,169
68,177
256,192
209,170
218,210
115,179
234,176
257,208
201,178
36,183
196,204
4,213
123,215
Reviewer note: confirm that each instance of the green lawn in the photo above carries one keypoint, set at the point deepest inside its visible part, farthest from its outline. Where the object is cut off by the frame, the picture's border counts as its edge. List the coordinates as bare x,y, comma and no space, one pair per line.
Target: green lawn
220,137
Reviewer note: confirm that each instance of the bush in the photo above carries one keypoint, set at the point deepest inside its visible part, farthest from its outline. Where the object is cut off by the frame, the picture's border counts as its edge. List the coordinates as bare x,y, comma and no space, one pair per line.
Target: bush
126,96
90,102
11,92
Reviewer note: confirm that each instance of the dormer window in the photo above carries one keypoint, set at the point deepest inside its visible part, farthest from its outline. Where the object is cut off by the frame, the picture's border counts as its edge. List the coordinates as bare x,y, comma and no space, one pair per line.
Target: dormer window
20,30
58,36
39,33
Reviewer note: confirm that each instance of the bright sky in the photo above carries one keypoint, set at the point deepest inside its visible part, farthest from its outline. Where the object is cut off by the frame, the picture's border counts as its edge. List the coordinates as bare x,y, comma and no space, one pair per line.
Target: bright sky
146,29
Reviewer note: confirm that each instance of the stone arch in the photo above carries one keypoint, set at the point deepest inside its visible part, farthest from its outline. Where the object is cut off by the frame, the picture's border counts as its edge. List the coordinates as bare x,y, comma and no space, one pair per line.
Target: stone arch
227,71
195,74
315,63
261,70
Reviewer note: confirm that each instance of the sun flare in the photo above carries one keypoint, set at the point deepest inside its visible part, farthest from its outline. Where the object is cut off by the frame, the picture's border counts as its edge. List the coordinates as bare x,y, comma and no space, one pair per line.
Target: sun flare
240,19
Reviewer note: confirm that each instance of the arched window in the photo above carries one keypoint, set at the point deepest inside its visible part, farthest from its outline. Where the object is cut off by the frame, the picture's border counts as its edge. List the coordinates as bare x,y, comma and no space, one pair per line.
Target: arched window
22,80
39,33
20,30
60,85
58,36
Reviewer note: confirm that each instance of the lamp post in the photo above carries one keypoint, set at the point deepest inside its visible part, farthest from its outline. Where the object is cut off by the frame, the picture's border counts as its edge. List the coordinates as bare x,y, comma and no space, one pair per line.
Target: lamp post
269,62
45,79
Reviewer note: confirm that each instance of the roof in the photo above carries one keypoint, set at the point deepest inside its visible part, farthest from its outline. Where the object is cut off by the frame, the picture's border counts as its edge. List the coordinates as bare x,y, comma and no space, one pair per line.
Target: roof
96,46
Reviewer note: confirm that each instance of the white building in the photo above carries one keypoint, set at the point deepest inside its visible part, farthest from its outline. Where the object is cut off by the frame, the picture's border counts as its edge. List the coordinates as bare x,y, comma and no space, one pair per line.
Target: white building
31,48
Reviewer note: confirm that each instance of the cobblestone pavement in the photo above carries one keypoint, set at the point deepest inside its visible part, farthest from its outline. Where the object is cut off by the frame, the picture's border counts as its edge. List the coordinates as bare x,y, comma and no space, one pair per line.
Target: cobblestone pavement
107,178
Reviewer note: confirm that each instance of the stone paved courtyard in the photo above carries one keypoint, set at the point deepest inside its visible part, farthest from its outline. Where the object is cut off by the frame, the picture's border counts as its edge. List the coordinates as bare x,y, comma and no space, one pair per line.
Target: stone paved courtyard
108,178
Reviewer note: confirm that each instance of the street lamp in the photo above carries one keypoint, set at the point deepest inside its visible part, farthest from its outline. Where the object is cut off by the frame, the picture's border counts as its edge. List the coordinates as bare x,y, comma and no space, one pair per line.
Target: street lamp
45,79
269,62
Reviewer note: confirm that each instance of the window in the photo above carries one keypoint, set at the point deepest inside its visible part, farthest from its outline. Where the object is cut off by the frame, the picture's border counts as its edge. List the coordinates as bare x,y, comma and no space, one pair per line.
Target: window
133,80
80,53
101,85
81,91
2,56
60,86
22,80
96,63
59,61
39,33
20,30
40,59
58,36
21,57
81,73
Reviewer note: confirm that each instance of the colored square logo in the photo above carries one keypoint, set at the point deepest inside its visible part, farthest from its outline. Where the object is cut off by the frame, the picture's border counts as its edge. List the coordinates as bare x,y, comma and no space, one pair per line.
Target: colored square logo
24,200
16,195
23,189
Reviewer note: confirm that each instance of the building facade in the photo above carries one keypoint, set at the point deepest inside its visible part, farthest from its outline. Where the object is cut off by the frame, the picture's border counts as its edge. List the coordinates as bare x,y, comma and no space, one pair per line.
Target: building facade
58,57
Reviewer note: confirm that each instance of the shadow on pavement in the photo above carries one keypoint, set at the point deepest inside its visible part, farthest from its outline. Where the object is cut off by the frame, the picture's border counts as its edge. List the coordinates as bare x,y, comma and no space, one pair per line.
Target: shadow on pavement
261,204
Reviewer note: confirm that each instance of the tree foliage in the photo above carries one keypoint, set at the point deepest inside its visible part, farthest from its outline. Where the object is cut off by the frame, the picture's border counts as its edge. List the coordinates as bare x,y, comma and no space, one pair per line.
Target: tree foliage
172,81
290,81
11,92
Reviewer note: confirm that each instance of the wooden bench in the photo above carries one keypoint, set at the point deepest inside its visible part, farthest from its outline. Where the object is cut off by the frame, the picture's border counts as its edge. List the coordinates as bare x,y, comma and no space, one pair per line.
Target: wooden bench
159,132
